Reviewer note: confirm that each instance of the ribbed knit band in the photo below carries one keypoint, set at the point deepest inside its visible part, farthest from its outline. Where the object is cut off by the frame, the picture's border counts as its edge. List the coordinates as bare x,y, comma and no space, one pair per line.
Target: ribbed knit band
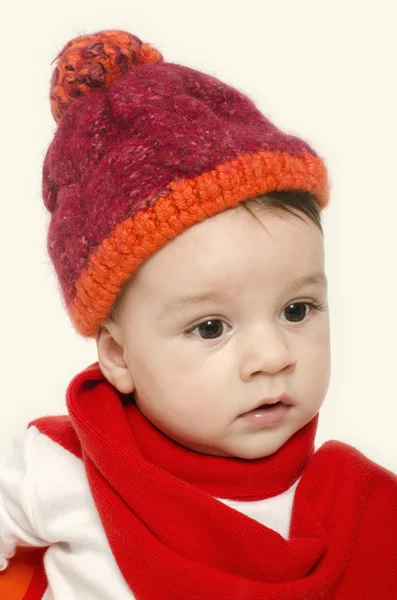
145,149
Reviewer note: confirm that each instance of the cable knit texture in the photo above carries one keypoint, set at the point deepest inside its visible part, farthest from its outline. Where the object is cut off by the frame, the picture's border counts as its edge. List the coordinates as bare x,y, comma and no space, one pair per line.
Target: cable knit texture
145,149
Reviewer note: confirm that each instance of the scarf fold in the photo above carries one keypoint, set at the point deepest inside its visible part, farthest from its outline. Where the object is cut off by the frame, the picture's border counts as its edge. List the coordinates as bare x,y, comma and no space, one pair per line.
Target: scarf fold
173,540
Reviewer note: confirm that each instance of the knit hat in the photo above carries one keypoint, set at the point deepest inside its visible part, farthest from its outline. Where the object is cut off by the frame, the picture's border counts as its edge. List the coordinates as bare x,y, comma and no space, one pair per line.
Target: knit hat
144,149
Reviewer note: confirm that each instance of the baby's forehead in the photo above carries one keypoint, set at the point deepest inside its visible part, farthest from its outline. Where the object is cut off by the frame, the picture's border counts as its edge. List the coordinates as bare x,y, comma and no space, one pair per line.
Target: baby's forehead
227,236
231,250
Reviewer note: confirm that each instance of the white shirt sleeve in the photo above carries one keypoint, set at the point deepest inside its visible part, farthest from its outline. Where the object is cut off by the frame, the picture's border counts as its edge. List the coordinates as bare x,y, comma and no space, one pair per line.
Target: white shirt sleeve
17,519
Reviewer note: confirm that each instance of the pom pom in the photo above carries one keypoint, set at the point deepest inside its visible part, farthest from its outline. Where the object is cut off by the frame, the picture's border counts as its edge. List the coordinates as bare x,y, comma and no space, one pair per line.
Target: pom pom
93,61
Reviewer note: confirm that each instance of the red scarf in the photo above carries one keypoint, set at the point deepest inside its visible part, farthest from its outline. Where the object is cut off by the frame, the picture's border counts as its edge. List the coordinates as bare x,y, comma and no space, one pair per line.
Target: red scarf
173,541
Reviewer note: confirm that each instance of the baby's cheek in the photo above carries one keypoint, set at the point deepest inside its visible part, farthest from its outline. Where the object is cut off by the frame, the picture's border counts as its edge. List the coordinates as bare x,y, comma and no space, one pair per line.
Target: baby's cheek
198,422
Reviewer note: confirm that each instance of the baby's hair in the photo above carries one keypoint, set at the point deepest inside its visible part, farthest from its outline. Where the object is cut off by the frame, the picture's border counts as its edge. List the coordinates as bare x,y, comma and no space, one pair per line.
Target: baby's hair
286,200
291,201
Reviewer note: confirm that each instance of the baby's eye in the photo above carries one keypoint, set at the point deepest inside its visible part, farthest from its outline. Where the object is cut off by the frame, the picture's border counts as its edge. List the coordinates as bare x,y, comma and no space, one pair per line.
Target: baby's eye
297,309
213,328
209,327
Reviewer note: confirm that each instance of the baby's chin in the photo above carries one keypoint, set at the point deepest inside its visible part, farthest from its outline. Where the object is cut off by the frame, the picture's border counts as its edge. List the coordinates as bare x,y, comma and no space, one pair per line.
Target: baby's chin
259,444
250,449
248,445
254,453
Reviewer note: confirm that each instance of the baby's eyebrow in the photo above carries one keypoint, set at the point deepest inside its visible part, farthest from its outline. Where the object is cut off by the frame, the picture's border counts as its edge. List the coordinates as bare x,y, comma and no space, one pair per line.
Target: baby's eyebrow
186,301
314,278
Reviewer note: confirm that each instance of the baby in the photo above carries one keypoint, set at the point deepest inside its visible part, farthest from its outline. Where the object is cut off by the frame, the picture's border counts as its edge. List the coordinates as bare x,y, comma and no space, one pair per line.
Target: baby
186,235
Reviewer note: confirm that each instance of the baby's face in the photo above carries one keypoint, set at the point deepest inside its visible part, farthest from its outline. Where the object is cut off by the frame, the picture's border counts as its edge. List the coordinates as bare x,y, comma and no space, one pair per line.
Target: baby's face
196,366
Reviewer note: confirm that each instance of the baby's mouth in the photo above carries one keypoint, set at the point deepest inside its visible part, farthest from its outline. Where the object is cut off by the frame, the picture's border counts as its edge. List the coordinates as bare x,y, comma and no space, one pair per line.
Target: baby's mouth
283,400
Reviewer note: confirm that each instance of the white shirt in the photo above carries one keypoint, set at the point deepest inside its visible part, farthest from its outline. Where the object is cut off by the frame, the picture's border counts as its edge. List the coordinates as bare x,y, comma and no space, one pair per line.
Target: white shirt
45,500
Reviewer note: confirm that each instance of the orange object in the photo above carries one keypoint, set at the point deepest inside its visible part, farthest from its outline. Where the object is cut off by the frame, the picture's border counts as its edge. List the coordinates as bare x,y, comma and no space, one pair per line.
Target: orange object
16,579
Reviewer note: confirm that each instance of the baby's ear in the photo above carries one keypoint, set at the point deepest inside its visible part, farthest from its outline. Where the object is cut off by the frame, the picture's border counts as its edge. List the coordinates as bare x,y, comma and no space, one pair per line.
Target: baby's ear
111,356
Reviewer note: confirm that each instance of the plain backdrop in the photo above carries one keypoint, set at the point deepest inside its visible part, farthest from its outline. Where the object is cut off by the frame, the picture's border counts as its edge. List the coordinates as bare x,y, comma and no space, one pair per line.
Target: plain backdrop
324,71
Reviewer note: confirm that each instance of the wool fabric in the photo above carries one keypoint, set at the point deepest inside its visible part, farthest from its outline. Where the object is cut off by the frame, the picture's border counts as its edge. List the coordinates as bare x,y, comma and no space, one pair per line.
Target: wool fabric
173,541
144,149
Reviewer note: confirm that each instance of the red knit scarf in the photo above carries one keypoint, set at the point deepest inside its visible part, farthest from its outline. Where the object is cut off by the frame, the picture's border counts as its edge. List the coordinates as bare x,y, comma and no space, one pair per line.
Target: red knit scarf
173,541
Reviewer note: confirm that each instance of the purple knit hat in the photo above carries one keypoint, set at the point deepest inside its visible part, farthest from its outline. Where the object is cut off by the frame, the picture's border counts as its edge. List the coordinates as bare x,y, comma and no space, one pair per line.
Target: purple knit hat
145,149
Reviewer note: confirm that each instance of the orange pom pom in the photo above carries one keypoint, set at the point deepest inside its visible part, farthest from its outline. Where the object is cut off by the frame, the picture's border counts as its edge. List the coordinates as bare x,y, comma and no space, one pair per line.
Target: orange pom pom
93,61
